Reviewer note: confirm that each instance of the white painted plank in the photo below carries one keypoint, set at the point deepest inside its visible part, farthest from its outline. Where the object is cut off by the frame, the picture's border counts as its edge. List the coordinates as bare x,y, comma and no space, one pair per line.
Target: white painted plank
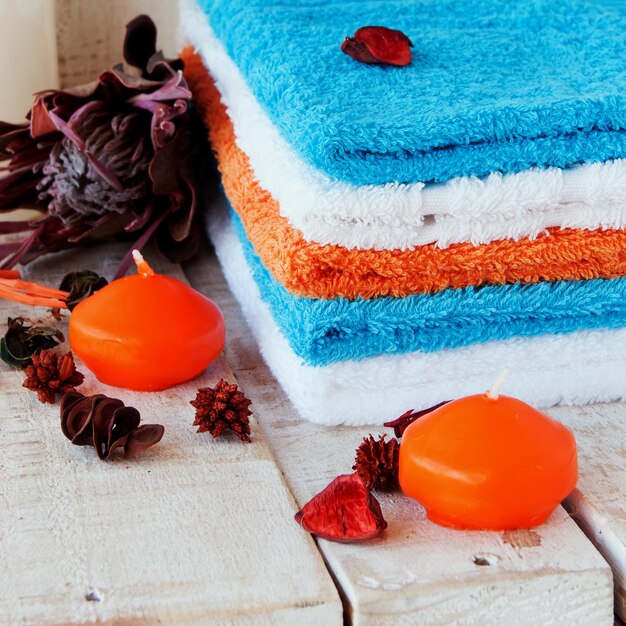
419,573
599,503
194,530
90,33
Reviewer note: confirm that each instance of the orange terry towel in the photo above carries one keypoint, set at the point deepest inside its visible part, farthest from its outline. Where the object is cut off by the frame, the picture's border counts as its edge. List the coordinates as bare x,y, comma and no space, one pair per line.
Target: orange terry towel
309,269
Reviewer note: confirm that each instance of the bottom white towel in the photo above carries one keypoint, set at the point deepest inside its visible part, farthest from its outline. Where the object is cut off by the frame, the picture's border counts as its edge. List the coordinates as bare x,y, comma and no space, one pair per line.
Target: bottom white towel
578,368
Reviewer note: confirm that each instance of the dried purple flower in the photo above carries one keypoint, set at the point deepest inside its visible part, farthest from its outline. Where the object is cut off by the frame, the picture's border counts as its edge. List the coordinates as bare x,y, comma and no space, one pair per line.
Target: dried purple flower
120,155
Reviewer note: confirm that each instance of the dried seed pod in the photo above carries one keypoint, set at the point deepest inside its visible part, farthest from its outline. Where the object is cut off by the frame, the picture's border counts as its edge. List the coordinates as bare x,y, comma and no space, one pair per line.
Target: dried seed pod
376,462
51,375
106,424
222,408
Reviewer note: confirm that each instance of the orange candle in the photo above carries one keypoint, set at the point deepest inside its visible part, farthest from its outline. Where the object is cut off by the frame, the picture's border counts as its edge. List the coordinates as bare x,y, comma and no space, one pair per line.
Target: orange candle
147,331
488,462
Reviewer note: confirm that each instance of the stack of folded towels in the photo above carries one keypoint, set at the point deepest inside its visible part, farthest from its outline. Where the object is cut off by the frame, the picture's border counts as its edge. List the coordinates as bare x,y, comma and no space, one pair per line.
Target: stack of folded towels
398,235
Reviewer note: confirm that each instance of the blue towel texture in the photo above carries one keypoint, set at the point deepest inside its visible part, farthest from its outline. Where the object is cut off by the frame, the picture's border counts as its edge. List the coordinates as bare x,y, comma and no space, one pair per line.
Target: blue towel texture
324,331
495,85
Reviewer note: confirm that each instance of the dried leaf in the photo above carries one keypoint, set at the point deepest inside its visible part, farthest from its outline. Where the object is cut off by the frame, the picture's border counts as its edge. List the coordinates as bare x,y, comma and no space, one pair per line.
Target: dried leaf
24,338
81,285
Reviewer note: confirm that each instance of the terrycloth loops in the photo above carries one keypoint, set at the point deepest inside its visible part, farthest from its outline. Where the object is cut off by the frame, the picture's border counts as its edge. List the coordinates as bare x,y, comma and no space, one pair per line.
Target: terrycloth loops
391,216
328,271
324,331
495,85
575,368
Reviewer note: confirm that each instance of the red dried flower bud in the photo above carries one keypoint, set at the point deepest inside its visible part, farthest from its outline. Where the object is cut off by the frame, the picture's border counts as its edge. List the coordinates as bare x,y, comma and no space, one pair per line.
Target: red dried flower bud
345,511
400,424
379,44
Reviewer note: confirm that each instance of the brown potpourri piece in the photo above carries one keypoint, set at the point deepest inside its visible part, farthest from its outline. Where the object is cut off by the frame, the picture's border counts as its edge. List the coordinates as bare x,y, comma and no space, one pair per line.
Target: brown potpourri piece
25,338
80,285
106,424
400,424
344,511
222,408
376,463
50,374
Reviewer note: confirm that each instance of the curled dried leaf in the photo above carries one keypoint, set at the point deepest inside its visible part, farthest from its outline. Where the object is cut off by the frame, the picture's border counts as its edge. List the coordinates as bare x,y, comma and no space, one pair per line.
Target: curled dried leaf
106,424
81,285
24,339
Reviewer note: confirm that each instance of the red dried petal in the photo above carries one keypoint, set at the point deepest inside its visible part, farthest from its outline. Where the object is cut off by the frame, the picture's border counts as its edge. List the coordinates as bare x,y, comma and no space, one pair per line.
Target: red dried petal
379,44
357,50
400,424
344,511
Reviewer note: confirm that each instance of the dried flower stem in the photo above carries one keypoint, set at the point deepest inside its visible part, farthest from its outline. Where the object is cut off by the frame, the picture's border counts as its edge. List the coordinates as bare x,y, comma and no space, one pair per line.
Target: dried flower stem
32,293
13,259
138,245
9,274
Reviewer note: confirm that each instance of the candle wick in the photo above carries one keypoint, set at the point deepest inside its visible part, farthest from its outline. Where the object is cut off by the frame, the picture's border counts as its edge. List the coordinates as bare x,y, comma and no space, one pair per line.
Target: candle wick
142,265
493,393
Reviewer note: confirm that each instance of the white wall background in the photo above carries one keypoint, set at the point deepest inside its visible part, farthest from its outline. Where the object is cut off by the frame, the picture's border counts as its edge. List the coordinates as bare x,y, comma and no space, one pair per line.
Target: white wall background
47,43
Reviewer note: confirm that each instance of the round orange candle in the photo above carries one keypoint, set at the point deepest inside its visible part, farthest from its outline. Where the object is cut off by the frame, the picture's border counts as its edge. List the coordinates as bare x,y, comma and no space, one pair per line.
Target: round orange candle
146,331
488,462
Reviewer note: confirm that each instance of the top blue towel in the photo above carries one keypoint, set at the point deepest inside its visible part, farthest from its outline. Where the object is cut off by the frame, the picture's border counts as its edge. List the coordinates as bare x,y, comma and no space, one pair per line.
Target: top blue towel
495,85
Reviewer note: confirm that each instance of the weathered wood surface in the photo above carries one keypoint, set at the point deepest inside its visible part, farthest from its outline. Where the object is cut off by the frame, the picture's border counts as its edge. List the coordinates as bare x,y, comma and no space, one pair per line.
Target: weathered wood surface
599,503
193,531
419,573
90,33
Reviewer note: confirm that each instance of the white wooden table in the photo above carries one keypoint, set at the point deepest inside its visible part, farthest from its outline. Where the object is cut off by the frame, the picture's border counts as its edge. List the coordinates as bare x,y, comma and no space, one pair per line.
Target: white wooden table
200,531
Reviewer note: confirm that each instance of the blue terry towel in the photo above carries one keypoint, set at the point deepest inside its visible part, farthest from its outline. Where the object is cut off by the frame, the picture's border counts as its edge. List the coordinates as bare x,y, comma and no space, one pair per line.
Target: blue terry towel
321,332
495,85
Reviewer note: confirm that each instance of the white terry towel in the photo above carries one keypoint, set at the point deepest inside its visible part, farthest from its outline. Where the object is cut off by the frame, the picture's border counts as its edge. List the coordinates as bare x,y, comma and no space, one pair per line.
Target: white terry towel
399,216
578,368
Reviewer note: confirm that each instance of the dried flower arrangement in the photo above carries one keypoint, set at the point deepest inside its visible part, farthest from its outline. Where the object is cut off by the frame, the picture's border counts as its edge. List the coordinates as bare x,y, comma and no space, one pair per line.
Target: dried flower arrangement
346,510
118,156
